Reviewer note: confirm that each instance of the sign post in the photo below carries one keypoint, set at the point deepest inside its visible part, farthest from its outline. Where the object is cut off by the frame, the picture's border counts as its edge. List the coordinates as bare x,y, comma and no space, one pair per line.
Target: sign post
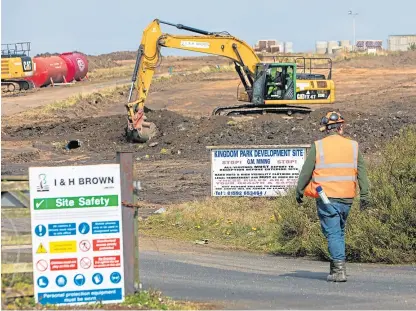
255,171
130,219
77,240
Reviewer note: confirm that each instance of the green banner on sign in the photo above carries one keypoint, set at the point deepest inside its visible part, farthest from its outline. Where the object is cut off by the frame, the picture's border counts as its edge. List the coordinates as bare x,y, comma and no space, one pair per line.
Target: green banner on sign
76,202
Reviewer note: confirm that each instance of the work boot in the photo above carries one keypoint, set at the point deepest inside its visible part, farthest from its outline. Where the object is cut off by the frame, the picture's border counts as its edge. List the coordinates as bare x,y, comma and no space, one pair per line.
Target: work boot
331,267
338,273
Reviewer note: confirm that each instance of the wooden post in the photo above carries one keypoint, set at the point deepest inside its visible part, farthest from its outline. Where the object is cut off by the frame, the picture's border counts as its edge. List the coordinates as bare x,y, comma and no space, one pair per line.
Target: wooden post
125,159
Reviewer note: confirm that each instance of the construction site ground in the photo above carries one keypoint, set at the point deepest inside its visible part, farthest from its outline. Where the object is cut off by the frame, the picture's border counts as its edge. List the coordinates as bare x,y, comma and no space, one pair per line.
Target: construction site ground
377,99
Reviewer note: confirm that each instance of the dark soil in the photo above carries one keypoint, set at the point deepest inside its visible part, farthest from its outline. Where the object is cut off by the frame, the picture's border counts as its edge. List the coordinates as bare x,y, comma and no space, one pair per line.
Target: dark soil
185,137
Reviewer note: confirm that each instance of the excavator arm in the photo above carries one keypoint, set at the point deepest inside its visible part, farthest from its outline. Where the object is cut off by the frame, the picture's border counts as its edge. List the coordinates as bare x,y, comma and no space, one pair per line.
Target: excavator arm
149,58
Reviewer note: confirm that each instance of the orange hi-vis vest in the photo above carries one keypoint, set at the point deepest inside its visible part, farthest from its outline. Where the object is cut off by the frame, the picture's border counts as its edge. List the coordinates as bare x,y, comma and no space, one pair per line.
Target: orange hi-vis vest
335,168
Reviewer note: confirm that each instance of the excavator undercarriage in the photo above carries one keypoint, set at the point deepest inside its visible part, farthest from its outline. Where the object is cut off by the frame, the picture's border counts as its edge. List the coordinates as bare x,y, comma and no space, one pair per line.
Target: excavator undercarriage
261,109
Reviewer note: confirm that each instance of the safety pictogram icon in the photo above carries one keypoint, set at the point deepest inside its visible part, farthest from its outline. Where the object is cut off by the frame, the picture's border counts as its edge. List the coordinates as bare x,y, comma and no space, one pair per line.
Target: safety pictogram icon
115,277
85,263
41,249
43,281
97,278
40,230
84,245
84,228
61,280
41,265
79,279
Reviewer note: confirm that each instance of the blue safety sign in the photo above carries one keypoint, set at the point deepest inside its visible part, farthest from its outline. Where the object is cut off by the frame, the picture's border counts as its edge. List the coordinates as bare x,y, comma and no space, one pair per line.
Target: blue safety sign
84,228
62,229
40,230
97,278
115,277
81,296
79,279
60,280
103,227
43,281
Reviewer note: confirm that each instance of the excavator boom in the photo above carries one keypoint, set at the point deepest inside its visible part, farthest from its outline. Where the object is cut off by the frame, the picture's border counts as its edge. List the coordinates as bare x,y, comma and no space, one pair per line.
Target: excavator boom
149,58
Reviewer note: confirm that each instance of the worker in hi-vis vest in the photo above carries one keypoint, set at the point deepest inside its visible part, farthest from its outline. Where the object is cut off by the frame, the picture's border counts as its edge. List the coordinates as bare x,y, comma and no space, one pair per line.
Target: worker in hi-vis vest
335,164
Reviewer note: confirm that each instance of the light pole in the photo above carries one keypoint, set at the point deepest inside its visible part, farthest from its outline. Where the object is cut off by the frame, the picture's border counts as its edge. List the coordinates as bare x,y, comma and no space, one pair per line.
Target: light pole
353,25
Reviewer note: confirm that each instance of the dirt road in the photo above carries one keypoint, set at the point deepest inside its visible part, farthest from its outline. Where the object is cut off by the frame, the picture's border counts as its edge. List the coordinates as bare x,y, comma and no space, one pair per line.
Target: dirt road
241,280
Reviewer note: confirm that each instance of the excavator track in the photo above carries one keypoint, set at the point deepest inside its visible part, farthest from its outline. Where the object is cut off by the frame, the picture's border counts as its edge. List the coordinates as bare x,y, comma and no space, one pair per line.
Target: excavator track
10,86
260,109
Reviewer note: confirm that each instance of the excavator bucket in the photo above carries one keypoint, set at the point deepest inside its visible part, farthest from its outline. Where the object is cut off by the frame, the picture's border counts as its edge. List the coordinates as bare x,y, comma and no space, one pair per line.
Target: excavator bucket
147,132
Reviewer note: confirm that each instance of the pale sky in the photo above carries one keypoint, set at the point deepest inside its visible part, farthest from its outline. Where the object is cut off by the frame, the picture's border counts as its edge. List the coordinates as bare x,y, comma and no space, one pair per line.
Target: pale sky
103,26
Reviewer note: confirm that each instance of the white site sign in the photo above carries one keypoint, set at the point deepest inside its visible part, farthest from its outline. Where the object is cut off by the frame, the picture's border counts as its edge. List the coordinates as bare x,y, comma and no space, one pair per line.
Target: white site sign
77,241
255,171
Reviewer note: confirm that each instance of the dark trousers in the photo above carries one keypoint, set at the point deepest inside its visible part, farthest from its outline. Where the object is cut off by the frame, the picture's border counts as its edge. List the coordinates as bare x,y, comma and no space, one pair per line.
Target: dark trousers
333,218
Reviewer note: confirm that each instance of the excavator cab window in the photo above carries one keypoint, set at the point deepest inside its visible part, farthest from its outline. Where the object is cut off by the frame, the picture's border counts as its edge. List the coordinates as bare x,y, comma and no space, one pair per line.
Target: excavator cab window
280,81
259,85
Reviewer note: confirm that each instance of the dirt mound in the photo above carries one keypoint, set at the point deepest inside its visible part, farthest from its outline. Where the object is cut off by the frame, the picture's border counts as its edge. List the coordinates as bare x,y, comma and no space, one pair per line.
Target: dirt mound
185,137
179,63
120,55
98,62
398,59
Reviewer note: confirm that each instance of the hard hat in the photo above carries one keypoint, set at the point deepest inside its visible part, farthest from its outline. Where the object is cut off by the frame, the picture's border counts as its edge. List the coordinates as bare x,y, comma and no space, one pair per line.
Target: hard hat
331,118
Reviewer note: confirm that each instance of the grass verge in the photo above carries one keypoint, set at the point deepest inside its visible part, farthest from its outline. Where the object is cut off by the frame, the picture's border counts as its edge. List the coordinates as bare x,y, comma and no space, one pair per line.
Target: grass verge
386,232
126,71
17,294
111,73
95,97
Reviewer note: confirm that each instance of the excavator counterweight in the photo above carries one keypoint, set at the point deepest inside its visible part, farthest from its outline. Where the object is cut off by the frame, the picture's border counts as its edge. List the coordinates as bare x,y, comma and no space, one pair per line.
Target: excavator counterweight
278,87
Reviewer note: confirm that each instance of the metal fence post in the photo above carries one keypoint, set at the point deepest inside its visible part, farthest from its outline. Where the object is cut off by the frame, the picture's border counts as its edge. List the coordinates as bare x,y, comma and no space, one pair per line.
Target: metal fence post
125,159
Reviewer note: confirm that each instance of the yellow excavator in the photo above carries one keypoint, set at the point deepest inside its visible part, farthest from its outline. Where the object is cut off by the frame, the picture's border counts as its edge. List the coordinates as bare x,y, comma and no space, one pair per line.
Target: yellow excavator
268,87
16,65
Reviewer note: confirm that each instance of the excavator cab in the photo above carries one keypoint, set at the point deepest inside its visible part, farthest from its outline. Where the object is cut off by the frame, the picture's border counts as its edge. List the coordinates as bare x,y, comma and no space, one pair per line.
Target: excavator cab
289,84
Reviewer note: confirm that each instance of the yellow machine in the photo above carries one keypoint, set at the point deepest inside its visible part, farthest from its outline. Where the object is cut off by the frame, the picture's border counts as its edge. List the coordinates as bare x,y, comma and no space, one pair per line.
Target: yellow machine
268,87
16,64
